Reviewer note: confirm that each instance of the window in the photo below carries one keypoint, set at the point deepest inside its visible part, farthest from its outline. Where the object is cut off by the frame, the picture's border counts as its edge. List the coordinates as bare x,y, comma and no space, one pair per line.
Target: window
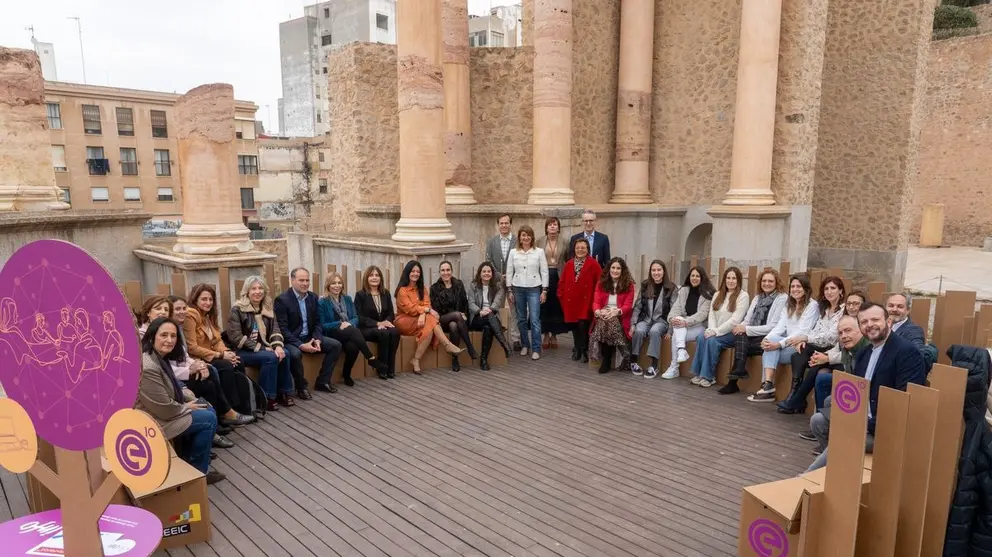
325,40
382,21
100,195
327,13
320,156
477,39
129,161
66,196
248,199
132,194
91,119
239,135
497,39
318,117
54,116
125,121
325,69
159,126
163,167
323,185
247,164
58,158
98,164
165,194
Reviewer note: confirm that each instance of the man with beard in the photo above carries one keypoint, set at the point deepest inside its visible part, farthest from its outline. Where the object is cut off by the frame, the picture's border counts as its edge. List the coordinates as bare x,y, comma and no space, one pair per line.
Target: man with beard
889,361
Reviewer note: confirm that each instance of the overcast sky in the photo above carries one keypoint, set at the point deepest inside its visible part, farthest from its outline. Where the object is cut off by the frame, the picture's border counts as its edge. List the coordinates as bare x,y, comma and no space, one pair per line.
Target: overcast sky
167,46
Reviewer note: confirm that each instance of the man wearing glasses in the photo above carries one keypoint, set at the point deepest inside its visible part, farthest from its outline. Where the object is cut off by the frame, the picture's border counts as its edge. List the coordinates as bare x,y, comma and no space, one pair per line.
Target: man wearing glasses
599,243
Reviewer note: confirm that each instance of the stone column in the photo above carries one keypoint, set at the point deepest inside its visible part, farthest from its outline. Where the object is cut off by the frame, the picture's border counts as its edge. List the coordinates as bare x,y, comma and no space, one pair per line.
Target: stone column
552,104
634,102
27,177
212,222
754,113
421,115
457,105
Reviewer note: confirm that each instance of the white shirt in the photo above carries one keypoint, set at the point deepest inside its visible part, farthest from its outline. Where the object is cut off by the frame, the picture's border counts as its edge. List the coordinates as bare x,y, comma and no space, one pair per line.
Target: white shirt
485,296
896,325
611,302
527,269
876,352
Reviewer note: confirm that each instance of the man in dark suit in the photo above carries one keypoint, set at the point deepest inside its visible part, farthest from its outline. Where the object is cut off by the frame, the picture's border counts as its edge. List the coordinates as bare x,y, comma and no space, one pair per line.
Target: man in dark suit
898,306
599,243
299,321
889,361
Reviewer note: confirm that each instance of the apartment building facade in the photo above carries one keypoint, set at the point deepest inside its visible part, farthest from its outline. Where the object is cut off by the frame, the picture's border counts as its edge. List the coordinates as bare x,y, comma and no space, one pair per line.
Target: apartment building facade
116,148
501,28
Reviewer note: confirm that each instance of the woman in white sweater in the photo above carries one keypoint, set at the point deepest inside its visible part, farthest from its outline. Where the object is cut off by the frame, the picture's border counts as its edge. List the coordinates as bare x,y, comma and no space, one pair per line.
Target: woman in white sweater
527,281
818,342
688,316
728,309
788,336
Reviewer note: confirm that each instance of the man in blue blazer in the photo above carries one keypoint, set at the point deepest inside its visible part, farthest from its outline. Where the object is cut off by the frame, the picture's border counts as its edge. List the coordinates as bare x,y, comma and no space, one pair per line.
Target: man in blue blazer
599,243
298,316
897,307
888,361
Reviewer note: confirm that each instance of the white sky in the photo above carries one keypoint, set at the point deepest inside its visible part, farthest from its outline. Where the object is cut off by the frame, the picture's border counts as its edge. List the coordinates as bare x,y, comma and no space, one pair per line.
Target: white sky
167,46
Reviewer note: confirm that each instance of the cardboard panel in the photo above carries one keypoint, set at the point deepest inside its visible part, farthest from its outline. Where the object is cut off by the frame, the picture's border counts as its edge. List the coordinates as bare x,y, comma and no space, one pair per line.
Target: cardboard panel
224,293
763,531
752,281
983,322
408,347
163,289
881,516
132,291
270,275
921,429
784,270
815,279
845,467
876,292
957,305
920,314
181,504
179,285
950,384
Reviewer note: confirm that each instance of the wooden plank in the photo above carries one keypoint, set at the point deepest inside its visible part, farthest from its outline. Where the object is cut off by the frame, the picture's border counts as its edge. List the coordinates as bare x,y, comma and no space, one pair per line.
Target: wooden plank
921,429
132,291
179,285
224,293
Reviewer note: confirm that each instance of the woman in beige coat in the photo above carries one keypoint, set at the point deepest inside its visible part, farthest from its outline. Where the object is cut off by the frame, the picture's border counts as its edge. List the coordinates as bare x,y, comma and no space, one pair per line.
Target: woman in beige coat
180,415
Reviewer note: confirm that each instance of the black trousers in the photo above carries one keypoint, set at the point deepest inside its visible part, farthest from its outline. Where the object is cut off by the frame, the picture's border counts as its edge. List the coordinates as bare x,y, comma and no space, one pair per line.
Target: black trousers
580,334
744,346
210,390
388,341
804,377
352,342
232,385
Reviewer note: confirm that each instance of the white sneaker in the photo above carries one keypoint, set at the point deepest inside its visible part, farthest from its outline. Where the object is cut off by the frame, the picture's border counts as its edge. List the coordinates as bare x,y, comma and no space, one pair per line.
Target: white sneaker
682,355
635,369
695,379
651,373
671,373
703,382
535,356
523,351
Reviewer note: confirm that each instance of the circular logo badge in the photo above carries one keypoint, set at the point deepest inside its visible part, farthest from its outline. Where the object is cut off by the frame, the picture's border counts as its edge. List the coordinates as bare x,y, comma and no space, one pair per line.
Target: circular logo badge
68,345
768,539
18,440
847,396
136,449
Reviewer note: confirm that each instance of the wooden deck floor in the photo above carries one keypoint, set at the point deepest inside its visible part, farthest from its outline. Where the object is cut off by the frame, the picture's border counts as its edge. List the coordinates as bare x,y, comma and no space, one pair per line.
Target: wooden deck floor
530,459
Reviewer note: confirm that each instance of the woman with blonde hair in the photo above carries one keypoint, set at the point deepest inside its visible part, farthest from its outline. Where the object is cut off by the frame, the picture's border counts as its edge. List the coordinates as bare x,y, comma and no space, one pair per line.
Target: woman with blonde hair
339,321
375,318
252,328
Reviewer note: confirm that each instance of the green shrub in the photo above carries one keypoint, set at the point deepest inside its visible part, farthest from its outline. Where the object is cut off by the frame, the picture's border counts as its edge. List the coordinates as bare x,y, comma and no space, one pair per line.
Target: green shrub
953,17
964,3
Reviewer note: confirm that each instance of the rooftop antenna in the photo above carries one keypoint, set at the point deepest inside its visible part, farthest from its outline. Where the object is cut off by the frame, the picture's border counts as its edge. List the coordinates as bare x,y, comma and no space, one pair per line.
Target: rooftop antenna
30,28
79,27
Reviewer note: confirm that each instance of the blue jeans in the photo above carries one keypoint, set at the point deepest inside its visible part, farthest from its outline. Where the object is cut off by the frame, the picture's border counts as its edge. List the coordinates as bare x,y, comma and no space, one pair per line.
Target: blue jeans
770,359
824,385
527,302
274,376
198,439
708,354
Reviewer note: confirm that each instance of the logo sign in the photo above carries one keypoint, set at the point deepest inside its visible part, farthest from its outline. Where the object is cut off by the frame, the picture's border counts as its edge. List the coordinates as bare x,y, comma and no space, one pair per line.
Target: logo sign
125,531
137,450
847,396
68,347
768,539
176,531
18,440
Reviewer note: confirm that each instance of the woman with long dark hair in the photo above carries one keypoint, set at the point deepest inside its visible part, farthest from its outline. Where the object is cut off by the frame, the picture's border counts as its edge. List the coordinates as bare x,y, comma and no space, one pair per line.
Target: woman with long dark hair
766,308
416,318
205,340
727,311
375,310
575,290
485,297
611,307
688,315
555,248
449,299
649,318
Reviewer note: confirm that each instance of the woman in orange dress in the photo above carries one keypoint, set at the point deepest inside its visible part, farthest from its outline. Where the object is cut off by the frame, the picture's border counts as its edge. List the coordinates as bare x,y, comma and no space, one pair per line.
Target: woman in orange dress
414,316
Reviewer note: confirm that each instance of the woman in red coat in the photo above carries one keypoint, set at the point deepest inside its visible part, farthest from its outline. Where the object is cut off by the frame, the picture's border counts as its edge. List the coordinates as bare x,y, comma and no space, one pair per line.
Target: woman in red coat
612,304
575,289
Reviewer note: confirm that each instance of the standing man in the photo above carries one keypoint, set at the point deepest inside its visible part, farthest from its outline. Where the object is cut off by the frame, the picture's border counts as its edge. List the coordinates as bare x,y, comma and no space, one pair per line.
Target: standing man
299,321
599,243
498,252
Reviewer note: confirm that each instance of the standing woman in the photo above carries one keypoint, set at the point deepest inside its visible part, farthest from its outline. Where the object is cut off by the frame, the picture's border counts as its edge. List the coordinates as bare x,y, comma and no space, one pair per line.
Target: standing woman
612,303
555,248
575,291
485,297
339,320
252,328
527,279
649,318
689,313
204,340
726,312
375,310
416,318
448,297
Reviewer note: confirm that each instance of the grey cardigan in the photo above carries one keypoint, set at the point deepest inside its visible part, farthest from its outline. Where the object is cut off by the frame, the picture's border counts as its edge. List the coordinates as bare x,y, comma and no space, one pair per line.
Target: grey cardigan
475,297
156,396
702,314
639,313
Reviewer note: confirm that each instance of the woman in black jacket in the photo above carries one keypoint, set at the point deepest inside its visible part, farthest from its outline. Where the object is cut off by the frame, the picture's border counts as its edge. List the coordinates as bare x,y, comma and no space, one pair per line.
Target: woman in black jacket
449,300
375,319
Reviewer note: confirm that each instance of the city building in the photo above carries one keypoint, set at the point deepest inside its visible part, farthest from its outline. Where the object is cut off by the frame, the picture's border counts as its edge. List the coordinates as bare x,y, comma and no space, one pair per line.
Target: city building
502,27
304,43
116,148
46,54
292,176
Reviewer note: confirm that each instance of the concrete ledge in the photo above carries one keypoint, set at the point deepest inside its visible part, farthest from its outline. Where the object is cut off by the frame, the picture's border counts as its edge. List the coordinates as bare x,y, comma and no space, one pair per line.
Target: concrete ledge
524,210
750,211
19,222
387,245
185,262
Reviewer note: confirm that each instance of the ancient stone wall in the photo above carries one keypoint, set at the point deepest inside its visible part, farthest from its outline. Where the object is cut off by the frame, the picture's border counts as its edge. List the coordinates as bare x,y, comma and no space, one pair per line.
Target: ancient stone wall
279,249
954,166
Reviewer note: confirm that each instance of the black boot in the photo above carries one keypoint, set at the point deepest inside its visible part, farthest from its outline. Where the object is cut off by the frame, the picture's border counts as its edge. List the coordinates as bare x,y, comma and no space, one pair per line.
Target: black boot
455,366
487,344
497,331
381,369
606,355
576,353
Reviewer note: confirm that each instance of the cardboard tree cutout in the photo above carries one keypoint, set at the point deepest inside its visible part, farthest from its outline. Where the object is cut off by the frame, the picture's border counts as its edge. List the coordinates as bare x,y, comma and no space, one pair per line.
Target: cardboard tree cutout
70,363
